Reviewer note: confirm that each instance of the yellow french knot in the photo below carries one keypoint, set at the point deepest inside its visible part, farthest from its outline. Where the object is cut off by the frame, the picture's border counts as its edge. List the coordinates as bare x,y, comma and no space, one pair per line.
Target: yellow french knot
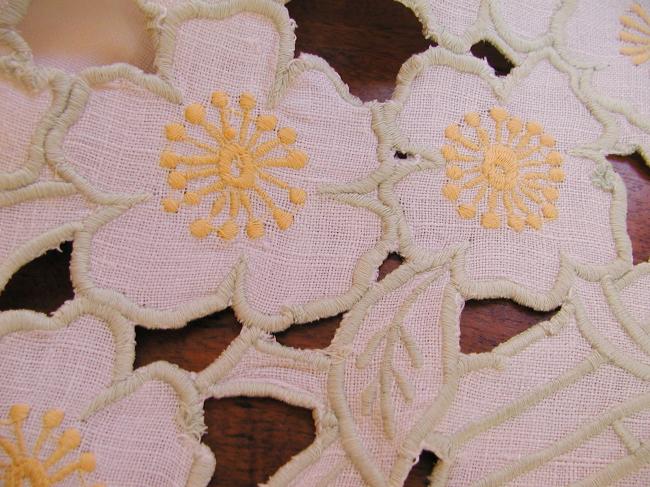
27,467
512,167
233,165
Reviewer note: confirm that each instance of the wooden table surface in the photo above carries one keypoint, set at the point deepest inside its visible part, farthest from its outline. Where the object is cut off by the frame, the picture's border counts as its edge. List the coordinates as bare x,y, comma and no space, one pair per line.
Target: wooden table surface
366,41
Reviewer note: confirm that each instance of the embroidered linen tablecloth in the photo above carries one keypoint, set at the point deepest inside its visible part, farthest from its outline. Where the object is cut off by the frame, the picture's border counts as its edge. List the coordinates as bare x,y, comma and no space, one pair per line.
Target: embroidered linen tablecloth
237,173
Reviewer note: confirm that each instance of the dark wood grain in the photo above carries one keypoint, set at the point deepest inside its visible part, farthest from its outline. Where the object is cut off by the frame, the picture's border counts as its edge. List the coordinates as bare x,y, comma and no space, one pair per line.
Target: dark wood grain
366,41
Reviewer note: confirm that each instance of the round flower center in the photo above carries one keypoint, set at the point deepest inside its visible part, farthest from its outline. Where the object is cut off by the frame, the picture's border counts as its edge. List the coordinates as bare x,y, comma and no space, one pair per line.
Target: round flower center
506,168
500,167
238,166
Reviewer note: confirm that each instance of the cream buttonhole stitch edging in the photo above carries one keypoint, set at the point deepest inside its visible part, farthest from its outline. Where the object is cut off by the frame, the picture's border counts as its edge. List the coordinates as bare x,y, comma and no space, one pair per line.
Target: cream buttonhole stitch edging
245,160
38,209
612,56
81,420
379,397
496,175
239,162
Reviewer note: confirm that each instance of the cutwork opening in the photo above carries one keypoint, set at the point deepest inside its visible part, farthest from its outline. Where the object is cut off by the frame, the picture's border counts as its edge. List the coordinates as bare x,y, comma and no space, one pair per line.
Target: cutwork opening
193,347
254,437
96,33
401,155
41,285
495,58
636,175
366,41
484,324
314,335
390,263
421,471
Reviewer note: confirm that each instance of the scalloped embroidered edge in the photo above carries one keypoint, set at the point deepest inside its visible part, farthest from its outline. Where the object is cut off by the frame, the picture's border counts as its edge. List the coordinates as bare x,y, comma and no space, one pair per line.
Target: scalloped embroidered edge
37,81
446,447
613,105
289,69
482,29
499,288
189,418
125,380
511,45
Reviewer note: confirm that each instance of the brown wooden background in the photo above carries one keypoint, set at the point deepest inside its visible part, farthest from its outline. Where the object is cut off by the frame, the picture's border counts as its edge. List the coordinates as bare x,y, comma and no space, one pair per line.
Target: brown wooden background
366,41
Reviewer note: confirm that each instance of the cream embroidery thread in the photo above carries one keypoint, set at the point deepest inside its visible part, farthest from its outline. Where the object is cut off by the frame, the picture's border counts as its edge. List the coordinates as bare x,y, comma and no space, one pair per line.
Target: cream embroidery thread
217,232
237,165
636,35
393,335
40,471
515,170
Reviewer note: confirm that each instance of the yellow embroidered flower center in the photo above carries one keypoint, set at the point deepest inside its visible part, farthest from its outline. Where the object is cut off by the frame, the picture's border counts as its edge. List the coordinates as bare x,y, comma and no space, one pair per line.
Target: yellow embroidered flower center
30,468
509,168
236,165
636,33
500,167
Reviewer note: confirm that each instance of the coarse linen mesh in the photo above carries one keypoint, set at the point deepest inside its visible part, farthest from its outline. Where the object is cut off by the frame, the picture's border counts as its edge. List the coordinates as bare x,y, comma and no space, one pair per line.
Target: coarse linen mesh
21,111
134,435
64,369
390,372
262,368
486,391
526,20
455,17
332,457
617,77
546,423
601,315
440,96
567,401
149,255
137,440
639,424
23,222
637,308
590,457
499,441
425,380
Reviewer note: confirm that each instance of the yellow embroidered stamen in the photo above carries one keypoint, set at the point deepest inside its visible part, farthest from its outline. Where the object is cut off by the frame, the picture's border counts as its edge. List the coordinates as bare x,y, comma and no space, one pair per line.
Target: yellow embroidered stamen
636,32
503,170
235,168
29,468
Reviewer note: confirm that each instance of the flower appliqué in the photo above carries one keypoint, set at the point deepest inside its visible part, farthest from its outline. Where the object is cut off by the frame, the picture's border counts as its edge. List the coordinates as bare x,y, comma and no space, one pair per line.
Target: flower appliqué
636,33
514,169
33,468
235,165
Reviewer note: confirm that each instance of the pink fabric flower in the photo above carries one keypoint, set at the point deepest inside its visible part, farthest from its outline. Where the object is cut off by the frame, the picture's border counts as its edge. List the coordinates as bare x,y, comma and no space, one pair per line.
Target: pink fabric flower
508,172
615,48
256,226
38,210
70,405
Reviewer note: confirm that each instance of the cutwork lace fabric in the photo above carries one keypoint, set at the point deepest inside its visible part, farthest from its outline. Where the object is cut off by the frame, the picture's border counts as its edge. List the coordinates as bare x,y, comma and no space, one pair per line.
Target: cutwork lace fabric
239,175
